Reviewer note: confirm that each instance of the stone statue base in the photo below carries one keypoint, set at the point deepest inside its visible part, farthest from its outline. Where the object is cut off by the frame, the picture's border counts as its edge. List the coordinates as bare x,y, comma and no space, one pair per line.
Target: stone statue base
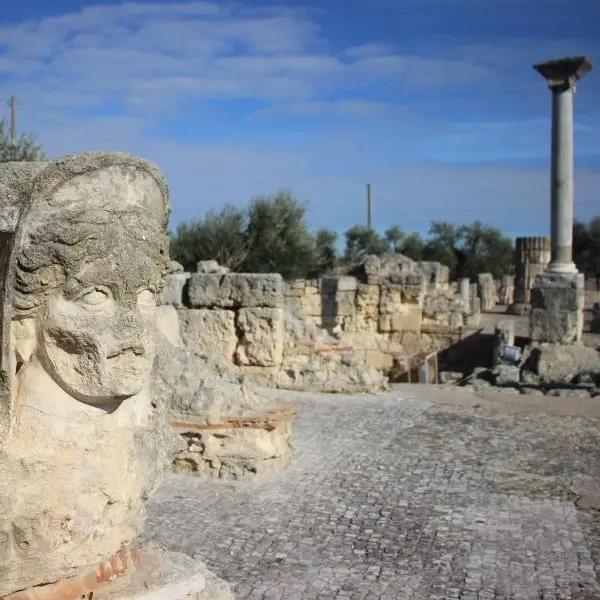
150,573
557,302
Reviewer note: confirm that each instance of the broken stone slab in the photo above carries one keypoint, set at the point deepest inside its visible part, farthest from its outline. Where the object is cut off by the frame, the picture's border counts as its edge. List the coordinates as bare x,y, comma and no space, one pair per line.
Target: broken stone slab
506,375
225,428
563,363
175,267
235,290
173,292
149,573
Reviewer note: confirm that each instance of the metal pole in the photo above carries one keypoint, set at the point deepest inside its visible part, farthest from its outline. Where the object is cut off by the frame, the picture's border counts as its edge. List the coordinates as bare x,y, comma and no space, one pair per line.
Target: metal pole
369,223
13,126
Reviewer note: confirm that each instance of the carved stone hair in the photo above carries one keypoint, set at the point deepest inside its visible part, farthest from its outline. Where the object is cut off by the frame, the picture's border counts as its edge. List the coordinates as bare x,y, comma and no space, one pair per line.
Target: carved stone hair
82,208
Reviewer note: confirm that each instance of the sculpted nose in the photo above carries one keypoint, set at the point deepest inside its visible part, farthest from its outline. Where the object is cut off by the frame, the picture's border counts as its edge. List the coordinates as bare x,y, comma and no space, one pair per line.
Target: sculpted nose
129,334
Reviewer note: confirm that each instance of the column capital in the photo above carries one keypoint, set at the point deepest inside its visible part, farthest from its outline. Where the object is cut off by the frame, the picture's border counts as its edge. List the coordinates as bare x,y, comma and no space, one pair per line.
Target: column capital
562,74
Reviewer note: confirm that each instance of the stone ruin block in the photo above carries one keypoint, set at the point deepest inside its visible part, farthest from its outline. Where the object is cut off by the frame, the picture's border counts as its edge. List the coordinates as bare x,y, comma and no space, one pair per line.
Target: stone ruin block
390,299
436,274
504,335
506,290
261,337
366,309
235,290
209,331
486,289
557,302
338,296
474,312
173,291
408,318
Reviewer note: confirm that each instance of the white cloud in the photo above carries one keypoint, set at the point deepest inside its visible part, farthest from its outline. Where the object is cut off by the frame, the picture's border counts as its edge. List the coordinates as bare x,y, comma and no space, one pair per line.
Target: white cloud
195,50
107,77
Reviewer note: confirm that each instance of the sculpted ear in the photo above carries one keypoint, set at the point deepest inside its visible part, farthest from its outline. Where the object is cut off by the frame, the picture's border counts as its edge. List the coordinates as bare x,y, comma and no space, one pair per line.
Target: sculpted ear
24,339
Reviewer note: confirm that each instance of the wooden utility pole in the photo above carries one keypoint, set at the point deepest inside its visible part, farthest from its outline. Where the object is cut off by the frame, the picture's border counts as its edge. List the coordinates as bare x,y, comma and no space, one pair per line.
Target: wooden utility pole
369,206
13,125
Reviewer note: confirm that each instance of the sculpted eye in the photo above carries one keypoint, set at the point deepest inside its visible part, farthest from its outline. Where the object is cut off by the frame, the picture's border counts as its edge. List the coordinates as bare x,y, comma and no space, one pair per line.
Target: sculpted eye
94,298
146,299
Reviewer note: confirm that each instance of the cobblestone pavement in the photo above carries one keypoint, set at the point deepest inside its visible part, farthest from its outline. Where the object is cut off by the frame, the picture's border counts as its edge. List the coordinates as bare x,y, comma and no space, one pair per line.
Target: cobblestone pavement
399,497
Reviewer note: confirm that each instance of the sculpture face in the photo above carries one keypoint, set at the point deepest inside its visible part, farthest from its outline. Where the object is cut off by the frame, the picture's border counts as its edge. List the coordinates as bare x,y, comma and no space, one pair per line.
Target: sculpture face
96,335
80,431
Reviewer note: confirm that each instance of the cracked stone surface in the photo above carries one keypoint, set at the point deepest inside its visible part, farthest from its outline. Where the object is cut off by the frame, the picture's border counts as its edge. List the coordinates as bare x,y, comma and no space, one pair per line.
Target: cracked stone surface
402,496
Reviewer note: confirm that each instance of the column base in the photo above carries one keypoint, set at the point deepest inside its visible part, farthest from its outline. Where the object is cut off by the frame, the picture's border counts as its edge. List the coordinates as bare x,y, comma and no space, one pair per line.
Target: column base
557,301
559,267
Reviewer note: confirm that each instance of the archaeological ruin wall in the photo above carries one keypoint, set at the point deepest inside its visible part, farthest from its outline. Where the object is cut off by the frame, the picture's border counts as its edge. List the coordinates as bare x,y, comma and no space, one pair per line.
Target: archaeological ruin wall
392,310
242,320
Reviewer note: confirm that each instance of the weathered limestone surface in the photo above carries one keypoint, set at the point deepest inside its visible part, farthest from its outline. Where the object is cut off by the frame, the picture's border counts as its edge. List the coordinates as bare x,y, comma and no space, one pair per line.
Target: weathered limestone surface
563,363
242,324
487,292
81,446
315,360
261,336
211,332
557,308
225,428
392,308
504,335
506,290
235,290
532,255
83,435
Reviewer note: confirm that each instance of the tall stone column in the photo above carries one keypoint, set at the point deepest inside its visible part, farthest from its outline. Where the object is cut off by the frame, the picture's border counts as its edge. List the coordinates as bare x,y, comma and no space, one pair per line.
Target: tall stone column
561,76
557,295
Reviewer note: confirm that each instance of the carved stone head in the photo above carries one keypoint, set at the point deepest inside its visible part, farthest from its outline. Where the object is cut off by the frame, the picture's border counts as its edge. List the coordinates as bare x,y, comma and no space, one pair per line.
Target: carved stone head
90,254
77,438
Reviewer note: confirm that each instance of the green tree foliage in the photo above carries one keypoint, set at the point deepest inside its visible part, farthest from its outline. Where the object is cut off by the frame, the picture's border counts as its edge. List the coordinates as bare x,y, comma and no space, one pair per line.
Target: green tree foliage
278,237
586,248
269,236
326,252
219,236
483,249
361,241
394,237
25,149
443,244
413,246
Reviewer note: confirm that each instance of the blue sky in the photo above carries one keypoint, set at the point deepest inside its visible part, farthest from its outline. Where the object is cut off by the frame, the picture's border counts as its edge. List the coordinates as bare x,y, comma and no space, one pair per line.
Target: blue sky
433,102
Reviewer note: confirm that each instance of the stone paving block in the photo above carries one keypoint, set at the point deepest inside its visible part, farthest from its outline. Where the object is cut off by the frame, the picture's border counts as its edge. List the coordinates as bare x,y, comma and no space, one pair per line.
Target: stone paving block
393,497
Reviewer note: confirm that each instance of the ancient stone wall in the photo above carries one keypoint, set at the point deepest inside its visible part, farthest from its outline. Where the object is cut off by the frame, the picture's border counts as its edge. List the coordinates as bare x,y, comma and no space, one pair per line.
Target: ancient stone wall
532,255
240,319
388,312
